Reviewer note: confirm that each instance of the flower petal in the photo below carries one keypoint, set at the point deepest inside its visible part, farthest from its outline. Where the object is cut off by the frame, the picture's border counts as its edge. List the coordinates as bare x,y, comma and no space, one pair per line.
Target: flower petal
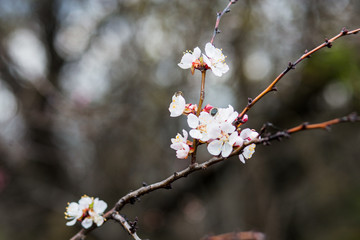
241,157
193,121
197,53
99,206
215,147
226,150
87,223
71,223
195,134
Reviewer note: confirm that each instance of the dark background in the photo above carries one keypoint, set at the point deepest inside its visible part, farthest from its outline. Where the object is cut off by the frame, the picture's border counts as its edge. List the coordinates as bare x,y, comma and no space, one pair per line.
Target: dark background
84,93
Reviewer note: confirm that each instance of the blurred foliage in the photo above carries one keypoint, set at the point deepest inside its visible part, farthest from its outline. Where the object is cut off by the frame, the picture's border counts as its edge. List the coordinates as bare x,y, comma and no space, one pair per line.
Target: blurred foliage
84,91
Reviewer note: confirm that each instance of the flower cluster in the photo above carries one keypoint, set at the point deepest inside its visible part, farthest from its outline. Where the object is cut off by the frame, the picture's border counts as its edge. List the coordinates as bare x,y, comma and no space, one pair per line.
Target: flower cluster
88,211
213,126
213,59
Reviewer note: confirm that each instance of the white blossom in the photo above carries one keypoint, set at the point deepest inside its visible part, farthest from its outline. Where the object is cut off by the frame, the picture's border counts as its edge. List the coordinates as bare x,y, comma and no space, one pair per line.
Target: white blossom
87,210
177,106
225,141
247,152
247,135
189,58
226,115
179,143
215,60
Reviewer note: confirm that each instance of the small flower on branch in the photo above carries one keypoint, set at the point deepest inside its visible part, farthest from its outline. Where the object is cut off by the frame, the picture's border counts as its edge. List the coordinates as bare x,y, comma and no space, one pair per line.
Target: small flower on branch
213,59
191,60
177,106
87,211
201,126
181,145
247,135
224,141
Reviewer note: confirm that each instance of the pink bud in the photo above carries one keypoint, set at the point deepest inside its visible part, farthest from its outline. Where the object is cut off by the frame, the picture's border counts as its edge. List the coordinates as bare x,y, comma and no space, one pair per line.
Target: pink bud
245,118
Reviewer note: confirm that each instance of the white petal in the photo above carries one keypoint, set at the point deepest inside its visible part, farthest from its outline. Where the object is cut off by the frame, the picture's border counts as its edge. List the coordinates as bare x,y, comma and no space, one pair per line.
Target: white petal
71,223
182,154
99,220
87,222
217,72
205,117
176,146
185,134
193,121
195,134
247,134
197,53
84,202
241,157
226,150
235,139
74,209
207,61
186,61
99,206
227,127
214,147
210,50
213,131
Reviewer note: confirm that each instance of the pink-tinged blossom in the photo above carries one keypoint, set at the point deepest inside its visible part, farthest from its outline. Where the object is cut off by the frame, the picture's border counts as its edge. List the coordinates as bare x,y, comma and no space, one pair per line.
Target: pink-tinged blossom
225,140
177,106
87,210
215,60
247,135
180,144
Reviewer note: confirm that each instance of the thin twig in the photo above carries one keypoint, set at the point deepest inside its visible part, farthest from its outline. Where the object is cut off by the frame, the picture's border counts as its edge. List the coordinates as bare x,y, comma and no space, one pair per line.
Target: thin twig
353,117
218,18
271,87
201,100
120,219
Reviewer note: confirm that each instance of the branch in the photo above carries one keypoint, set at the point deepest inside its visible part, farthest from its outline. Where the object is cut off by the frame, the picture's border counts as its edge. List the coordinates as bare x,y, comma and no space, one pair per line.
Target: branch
133,196
291,66
218,17
129,228
353,117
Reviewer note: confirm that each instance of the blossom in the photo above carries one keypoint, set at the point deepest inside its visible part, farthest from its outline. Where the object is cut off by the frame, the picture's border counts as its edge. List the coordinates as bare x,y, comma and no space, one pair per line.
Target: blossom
87,210
201,126
224,142
247,135
247,152
190,59
226,115
177,106
215,60
180,144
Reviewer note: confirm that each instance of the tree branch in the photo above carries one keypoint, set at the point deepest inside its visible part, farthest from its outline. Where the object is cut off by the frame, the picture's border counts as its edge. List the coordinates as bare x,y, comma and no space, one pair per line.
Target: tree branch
130,229
352,117
218,18
291,66
133,196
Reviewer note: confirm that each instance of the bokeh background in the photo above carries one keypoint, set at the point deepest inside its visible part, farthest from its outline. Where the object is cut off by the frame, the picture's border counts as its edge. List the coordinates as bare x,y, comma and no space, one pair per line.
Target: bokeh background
85,87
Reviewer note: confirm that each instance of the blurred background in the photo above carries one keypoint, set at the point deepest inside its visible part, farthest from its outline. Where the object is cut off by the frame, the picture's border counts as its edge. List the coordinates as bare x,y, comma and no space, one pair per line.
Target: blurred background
85,87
